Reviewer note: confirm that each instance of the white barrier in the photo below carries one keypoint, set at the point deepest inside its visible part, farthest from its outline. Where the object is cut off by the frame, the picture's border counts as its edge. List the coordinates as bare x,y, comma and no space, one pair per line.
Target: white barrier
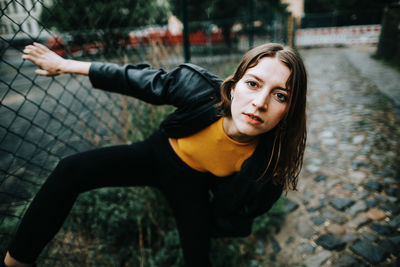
364,34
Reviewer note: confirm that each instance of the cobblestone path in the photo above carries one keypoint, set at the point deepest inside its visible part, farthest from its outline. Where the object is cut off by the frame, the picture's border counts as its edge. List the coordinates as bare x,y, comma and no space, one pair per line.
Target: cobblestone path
347,209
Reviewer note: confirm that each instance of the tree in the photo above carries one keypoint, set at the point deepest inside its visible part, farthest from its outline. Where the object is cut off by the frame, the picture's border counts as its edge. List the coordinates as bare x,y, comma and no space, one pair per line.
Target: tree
67,15
225,14
84,16
327,13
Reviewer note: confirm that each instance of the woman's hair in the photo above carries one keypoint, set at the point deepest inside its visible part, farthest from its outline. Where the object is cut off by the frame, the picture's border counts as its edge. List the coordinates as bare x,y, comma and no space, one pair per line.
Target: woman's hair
289,136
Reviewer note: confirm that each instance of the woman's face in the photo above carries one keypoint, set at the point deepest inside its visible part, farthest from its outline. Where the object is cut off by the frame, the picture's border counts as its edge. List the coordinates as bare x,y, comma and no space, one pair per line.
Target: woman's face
260,100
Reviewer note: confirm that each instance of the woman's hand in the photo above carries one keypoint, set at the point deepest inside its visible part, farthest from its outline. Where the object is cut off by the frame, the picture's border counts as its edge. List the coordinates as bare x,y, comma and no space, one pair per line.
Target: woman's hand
50,63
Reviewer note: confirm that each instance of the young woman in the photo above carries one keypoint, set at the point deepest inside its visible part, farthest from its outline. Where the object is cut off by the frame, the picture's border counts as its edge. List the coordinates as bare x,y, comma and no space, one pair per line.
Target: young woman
221,159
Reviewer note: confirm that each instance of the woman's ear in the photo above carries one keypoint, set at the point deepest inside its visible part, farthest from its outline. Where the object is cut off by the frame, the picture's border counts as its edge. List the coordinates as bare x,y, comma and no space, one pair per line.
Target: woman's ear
231,93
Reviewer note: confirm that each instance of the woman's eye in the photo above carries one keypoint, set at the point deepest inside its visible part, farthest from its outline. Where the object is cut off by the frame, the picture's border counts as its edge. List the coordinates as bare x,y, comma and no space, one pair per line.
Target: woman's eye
252,84
281,97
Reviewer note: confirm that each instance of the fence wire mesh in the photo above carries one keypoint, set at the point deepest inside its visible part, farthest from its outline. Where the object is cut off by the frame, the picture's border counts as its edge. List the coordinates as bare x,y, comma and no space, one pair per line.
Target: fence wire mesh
45,119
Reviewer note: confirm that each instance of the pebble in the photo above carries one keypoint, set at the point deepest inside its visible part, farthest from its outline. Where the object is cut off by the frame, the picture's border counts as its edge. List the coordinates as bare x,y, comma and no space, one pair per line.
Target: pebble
335,229
358,139
330,142
346,260
389,171
308,194
389,181
312,168
318,259
391,207
373,186
305,229
370,237
369,252
260,248
289,240
349,187
341,203
305,201
334,216
357,164
381,229
326,134
324,199
275,245
376,214
320,177
254,263
363,194
350,238
316,208
395,192
317,220
330,242
388,246
306,247
332,183
358,207
395,222
391,199
272,257
359,221
372,202
290,206
395,240
356,177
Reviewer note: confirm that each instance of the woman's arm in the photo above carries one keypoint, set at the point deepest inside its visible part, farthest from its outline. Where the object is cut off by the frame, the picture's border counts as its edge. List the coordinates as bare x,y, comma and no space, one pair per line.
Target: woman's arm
52,64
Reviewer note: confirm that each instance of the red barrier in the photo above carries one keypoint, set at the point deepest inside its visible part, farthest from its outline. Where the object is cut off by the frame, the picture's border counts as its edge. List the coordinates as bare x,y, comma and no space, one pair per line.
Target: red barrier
149,36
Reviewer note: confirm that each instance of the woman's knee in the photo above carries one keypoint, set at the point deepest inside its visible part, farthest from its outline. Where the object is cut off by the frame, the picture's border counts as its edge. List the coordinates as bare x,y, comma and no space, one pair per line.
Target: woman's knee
66,173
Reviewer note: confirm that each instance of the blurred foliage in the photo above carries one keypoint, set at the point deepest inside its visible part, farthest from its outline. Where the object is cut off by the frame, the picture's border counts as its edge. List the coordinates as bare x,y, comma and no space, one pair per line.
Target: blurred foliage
224,14
215,10
90,21
324,13
342,18
65,15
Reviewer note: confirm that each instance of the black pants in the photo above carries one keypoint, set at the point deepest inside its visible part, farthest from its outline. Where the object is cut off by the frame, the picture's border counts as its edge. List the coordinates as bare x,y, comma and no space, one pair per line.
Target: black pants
148,163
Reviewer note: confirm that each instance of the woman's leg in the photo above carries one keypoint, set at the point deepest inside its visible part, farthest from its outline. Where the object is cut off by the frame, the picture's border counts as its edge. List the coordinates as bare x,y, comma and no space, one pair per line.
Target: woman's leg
189,202
125,165
187,193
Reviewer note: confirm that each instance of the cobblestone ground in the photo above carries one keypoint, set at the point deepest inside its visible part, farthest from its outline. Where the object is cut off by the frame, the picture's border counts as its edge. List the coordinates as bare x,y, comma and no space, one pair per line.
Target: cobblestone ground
346,211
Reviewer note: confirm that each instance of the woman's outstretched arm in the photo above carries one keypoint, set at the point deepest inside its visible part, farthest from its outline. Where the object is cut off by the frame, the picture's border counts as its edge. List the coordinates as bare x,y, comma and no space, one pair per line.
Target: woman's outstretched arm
52,64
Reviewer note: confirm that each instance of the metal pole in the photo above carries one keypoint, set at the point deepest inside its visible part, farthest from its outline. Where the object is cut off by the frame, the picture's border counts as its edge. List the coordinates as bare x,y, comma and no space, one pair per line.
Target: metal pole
251,29
186,44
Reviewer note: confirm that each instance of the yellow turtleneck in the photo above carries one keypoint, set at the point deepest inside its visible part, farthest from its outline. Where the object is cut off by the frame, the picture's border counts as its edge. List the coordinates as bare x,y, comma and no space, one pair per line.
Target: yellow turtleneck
212,150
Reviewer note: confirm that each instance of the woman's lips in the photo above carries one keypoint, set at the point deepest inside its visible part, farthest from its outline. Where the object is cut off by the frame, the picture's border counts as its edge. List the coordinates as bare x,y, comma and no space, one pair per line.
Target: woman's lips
254,119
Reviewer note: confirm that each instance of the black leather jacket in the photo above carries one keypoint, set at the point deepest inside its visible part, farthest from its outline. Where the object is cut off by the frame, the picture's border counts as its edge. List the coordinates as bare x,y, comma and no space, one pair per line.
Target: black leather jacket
236,200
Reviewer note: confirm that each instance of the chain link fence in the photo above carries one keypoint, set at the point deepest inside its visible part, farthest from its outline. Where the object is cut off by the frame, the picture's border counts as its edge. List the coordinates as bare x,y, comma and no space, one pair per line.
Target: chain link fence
45,119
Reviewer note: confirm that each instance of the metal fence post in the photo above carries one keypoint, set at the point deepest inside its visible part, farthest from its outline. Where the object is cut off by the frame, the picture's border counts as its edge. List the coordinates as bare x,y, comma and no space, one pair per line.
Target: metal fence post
186,44
251,26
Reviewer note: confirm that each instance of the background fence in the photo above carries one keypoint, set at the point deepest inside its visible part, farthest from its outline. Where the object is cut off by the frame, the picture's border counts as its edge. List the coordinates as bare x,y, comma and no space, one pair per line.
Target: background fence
44,119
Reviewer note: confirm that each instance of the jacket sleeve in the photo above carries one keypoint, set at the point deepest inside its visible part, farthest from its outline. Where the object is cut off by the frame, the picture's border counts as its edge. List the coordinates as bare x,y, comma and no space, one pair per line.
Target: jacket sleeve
141,81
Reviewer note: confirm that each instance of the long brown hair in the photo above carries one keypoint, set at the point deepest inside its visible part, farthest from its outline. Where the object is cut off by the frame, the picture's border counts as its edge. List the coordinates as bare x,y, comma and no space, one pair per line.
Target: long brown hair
290,134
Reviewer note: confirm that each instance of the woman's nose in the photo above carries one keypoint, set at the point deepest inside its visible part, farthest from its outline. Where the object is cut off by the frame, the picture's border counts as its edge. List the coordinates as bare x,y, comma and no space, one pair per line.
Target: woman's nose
261,100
